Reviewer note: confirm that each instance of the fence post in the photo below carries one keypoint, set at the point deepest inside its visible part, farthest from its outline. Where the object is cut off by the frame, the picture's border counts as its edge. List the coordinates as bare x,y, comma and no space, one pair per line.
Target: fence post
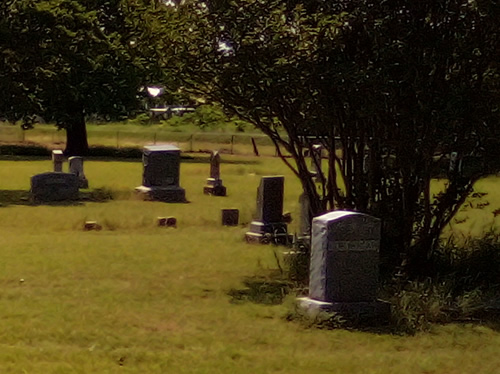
255,150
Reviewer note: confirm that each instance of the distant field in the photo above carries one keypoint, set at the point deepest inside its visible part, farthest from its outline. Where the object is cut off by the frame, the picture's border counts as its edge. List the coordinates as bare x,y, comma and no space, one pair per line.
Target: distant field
189,138
136,298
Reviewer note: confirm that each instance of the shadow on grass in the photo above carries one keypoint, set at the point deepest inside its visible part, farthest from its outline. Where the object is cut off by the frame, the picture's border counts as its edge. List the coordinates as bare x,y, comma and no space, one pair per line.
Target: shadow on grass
268,290
23,197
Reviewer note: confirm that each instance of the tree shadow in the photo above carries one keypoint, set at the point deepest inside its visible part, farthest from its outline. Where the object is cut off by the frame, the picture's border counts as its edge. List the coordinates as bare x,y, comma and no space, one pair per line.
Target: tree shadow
23,197
15,197
269,289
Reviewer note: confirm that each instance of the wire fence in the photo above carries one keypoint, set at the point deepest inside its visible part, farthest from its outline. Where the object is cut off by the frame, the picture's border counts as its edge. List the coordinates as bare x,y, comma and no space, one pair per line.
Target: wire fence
232,143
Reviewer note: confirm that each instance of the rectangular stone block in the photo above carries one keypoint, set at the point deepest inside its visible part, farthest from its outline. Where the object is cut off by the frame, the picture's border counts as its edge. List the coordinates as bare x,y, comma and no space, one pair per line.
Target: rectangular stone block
230,217
270,199
161,165
54,186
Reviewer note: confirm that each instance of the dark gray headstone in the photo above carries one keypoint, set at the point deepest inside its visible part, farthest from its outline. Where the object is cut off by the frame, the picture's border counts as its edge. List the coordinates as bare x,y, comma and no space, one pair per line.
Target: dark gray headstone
230,217
161,165
54,186
269,215
160,178
76,167
58,160
270,199
344,257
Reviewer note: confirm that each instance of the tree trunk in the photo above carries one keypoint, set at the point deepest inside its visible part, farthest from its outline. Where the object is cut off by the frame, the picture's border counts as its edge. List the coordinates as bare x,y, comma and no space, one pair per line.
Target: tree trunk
76,134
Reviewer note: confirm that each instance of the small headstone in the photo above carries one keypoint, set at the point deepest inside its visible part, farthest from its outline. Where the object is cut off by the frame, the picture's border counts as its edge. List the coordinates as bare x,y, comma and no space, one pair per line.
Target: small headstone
58,160
160,180
92,225
76,167
54,186
269,218
171,222
214,184
344,264
230,217
167,221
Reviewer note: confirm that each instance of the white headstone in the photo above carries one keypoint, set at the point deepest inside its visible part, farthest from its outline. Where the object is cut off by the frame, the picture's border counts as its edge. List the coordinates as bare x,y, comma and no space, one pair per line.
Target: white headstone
58,159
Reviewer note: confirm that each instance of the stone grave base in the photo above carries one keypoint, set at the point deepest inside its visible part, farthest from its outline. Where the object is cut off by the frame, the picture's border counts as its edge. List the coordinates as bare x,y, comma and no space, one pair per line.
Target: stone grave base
173,194
373,311
214,187
265,233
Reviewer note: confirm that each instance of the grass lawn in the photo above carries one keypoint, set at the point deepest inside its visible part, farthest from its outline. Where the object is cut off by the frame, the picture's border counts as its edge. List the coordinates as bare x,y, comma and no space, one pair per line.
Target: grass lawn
136,298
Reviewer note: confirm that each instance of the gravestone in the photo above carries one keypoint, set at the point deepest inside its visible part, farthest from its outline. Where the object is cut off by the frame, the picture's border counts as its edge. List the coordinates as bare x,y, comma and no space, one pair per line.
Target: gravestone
214,184
230,217
58,160
316,160
305,215
76,167
160,178
268,221
344,264
54,186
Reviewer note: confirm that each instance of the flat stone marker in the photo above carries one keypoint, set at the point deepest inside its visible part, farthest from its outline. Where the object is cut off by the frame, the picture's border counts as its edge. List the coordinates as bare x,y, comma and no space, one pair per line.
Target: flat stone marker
344,264
214,184
269,217
54,186
230,217
76,167
58,160
160,179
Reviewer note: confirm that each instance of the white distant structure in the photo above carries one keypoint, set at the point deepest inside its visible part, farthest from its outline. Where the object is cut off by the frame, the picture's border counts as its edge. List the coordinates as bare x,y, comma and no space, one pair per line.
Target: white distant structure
155,91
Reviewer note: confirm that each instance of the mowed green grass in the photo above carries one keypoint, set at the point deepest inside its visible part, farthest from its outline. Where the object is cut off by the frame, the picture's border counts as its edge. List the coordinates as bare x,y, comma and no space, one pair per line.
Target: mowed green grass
136,298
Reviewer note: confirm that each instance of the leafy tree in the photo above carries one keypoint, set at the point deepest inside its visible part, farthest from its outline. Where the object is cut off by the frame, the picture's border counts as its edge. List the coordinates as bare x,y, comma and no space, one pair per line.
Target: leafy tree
65,59
391,89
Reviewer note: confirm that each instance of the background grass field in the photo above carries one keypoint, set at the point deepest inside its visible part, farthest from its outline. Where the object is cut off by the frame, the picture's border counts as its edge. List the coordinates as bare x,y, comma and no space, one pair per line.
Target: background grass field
136,298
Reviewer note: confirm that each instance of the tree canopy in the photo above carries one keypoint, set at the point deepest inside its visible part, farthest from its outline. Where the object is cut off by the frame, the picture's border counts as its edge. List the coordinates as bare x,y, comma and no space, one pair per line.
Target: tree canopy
64,59
392,89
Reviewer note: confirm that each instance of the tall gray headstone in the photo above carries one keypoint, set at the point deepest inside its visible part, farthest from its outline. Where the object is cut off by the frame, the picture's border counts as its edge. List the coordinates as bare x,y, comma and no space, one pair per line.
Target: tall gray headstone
161,173
54,186
268,221
76,167
316,160
58,160
344,264
214,184
305,215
